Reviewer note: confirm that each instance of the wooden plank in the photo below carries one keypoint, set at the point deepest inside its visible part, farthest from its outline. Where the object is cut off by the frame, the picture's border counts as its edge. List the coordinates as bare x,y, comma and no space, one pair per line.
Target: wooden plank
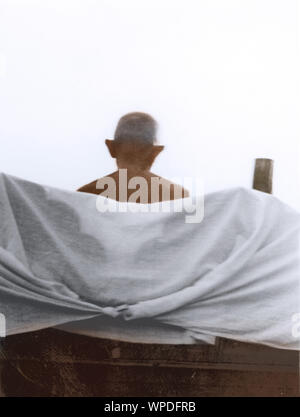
2,361
1,369
62,364
98,380
50,345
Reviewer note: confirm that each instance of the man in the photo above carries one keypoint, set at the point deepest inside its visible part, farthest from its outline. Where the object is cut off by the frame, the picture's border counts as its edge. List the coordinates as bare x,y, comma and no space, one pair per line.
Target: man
135,150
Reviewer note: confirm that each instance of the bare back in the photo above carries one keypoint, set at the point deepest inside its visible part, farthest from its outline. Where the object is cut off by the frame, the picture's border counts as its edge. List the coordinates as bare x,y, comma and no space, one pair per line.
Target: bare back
166,189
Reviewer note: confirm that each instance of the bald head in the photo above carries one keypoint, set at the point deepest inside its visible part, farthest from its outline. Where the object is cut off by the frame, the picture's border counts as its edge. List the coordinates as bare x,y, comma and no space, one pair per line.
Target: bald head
136,127
134,141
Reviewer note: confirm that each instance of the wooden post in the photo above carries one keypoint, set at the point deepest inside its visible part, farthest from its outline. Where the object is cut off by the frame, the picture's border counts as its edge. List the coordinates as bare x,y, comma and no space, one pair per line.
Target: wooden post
263,175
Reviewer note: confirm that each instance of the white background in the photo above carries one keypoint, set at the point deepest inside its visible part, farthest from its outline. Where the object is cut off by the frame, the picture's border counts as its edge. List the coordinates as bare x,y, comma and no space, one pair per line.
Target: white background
220,76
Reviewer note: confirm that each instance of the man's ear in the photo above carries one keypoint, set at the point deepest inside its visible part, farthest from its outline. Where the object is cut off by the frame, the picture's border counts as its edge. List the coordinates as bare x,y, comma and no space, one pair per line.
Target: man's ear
156,150
111,147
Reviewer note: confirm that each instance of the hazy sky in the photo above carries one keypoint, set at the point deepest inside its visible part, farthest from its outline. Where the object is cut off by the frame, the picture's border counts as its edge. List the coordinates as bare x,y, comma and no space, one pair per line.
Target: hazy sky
221,77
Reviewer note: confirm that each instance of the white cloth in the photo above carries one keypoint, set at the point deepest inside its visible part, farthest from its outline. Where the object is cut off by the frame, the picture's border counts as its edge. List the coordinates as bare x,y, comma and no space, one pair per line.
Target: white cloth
150,275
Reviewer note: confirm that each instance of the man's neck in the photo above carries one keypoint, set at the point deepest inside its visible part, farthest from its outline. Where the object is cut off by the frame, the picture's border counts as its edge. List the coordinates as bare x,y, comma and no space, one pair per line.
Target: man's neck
134,171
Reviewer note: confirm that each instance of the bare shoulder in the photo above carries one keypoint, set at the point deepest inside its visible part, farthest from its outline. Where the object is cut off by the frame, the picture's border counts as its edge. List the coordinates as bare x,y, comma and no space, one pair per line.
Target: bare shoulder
176,190
97,186
89,188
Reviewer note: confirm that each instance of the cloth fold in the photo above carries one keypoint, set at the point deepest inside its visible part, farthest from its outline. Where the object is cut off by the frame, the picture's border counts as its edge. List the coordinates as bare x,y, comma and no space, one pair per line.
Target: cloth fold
127,273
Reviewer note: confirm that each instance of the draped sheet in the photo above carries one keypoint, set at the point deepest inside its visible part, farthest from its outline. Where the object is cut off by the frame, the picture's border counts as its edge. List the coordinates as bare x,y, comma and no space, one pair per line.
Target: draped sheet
146,275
